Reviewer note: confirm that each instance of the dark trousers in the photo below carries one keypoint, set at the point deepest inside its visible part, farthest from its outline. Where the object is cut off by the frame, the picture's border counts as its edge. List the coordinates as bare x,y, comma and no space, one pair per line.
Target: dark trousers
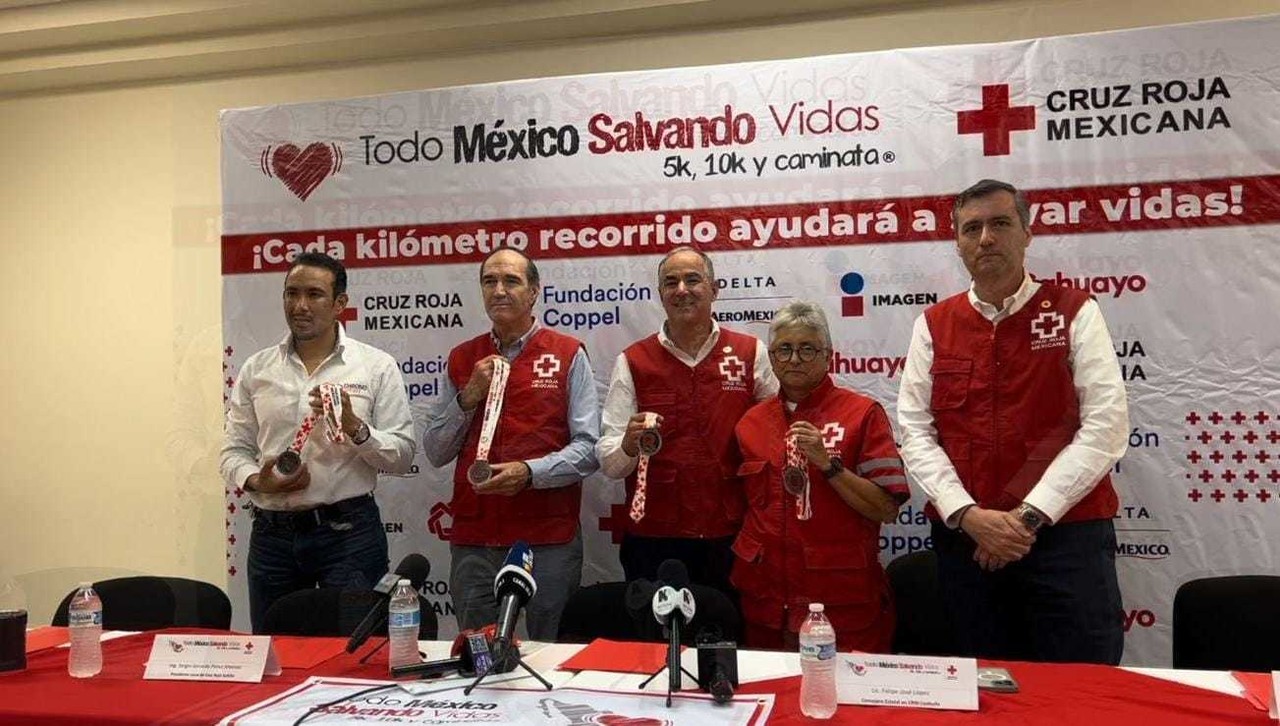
342,545
709,561
1060,603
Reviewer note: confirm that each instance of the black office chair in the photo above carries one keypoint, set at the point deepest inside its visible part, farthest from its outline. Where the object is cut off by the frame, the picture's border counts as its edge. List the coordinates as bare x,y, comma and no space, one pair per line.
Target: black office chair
600,611
1227,623
334,612
923,627
150,603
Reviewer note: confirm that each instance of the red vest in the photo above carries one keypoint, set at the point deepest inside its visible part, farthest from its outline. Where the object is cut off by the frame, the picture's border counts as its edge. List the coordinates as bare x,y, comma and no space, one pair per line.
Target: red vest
782,563
691,491
534,423
1004,403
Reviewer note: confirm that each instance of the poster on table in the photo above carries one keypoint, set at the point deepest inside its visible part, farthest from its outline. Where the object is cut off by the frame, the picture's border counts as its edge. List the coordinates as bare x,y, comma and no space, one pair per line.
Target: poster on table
1150,157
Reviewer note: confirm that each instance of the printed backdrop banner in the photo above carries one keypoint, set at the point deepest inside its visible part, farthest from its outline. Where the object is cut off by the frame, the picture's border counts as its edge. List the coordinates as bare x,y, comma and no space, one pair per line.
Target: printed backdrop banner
1150,157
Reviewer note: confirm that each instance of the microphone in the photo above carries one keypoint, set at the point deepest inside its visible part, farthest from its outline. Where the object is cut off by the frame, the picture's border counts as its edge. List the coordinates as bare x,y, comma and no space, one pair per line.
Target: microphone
673,607
414,568
469,656
513,587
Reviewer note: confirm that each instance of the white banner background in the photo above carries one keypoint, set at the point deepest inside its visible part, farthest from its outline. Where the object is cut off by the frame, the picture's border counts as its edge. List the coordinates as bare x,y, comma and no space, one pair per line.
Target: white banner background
1152,155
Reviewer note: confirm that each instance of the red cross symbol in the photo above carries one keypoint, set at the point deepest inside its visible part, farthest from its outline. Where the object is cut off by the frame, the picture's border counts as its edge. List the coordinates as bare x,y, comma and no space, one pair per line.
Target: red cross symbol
1047,325
1238,417
546,366
616,521
231,508
832,435
1228,476
230,381
1263,495
1195,495
229,350
1217,496
1262,417
231,570
1205,476
1241,495
1250,436
1205,437
1239,456
1216,457
1262,457
1273,437
1227,437
732,368
996,120
1251,476
231,539
348,315
951,670
1194,457
1216,418
238,492
1192,418
1274,476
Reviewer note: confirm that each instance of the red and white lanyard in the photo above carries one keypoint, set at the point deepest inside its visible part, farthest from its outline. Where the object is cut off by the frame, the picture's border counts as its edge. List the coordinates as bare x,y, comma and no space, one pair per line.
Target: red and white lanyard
331,401
489,424
642,466
795,478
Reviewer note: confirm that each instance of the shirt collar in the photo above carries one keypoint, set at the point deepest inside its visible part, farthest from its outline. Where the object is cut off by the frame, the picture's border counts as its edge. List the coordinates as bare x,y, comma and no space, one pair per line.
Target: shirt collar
670,344
286,343
517,346
813,400
1011,304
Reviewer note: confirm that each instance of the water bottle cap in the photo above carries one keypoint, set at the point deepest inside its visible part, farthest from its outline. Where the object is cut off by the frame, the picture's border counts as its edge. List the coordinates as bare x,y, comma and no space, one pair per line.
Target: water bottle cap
816,607
85,584
404,582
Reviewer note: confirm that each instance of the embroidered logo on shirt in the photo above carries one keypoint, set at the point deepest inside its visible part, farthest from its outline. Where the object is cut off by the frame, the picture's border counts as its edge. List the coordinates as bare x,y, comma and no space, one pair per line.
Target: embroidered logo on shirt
734,371
832,435
544,369
1048,330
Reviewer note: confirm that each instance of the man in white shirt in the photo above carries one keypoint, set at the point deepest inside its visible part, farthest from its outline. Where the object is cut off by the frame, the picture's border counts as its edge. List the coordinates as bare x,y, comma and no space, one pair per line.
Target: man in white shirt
1012,412
319,525
690,382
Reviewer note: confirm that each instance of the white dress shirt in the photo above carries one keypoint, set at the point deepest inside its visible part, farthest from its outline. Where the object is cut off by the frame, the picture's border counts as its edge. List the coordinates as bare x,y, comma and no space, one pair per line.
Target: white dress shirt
620,401
1095,448
270,399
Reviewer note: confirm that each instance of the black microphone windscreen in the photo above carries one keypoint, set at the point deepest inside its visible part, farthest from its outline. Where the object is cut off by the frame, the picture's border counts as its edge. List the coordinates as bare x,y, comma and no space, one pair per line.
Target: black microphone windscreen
673,573
415,568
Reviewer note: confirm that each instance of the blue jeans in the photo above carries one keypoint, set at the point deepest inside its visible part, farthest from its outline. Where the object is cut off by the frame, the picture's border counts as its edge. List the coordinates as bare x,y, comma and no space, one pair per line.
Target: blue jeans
557,569
1060,603
288,553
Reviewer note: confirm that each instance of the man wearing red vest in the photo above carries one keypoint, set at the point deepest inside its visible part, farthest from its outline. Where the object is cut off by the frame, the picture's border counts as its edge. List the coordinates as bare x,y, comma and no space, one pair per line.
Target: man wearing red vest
1012,412
696,379
541,450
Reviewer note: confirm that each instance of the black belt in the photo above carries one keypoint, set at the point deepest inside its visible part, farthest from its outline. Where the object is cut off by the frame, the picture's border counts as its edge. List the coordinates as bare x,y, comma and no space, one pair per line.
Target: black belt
311,517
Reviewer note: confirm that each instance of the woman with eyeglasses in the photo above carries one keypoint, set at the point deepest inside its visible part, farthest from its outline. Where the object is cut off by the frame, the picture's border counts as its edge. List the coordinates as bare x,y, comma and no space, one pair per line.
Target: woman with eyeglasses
821,473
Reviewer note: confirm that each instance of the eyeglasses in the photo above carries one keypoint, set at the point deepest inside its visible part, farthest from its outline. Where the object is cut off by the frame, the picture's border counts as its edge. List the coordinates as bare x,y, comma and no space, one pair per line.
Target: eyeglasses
806,353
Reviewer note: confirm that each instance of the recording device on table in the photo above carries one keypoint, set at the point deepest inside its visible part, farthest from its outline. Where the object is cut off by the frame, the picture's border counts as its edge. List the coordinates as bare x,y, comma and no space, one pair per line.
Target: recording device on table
415,568
717,664
673,606
996,679
471,655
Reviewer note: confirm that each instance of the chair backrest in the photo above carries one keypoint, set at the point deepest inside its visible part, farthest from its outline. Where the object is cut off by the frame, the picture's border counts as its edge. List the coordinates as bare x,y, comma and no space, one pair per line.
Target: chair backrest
148,603
600,611
923,627
1227,623
334,612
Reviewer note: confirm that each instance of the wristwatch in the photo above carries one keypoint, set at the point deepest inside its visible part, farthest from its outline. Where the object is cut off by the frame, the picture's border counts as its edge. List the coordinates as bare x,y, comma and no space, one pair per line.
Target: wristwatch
361,435
1032,519
836,467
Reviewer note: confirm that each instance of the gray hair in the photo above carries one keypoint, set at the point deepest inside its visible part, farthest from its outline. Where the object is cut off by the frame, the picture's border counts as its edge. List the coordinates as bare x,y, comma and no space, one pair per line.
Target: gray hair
800,314
986,188
706,262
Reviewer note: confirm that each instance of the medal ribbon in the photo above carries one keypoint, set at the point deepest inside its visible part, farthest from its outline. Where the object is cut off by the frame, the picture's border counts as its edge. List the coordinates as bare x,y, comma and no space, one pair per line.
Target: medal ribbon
331,400
642,475
804,508
493,407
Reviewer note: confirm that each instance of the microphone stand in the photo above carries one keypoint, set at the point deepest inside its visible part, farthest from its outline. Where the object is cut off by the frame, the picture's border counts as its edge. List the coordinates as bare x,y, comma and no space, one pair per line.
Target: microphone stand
673,659
504,654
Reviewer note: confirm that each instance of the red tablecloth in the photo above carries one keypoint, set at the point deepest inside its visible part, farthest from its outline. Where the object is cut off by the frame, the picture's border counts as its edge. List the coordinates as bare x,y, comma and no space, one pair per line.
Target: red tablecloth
1050,694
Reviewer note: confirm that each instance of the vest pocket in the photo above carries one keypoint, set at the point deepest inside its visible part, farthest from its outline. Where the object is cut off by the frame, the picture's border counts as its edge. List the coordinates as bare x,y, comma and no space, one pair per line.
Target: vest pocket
843,574
950,382
757,495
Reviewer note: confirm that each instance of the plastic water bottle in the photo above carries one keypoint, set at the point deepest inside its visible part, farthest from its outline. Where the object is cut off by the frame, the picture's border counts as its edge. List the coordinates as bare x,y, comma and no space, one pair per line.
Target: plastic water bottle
403,617
817,665
84,616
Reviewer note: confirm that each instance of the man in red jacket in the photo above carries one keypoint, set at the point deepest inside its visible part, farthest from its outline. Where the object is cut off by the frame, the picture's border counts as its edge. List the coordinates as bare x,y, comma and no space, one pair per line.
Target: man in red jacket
520,476
1012,412
690,383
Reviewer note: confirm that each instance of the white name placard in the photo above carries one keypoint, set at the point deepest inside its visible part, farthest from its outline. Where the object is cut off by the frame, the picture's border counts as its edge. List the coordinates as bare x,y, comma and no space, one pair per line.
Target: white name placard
211,658
869,679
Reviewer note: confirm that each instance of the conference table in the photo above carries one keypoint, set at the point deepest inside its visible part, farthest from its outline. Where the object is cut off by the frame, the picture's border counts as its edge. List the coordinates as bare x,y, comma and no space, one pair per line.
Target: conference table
43,693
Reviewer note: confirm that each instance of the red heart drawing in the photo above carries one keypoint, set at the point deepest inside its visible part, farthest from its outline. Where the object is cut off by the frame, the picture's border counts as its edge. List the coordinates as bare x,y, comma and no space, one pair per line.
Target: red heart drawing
302,170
